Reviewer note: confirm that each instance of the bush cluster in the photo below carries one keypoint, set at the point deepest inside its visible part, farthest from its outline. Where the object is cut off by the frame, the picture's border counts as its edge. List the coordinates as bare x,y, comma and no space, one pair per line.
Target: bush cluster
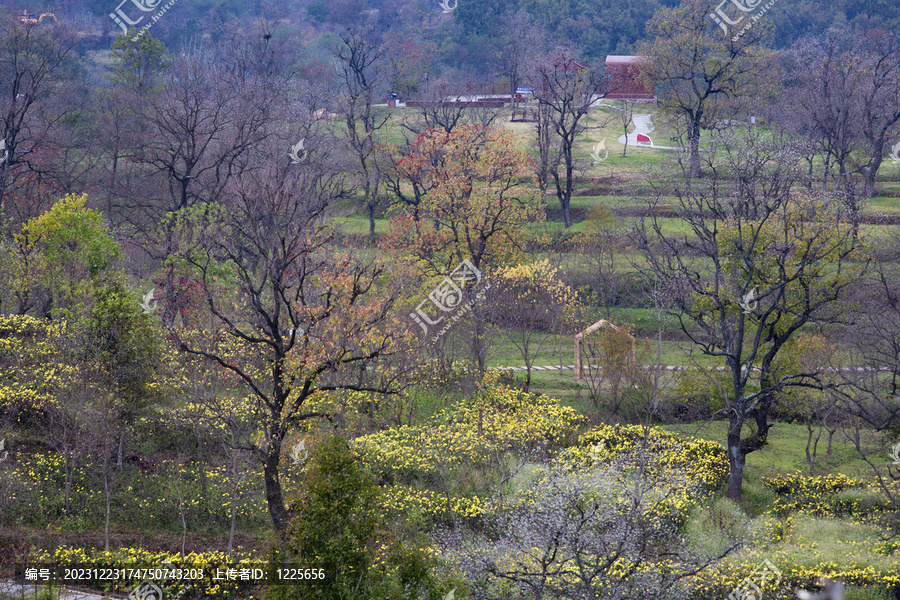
824,495
704,462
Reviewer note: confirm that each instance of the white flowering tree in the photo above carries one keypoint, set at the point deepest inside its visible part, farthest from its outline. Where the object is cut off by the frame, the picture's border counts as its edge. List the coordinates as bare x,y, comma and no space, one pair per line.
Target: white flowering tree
610,532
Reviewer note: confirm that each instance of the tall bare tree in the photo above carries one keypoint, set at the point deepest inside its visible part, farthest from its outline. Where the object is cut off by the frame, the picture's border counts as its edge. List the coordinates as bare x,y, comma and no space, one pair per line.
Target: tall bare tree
565,91
699,72
360,70
291,316
846,84
758,263
33,61
196,130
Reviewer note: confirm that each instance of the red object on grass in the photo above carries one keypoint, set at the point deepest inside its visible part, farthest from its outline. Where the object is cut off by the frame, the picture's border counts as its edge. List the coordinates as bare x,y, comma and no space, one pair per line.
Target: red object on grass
643,139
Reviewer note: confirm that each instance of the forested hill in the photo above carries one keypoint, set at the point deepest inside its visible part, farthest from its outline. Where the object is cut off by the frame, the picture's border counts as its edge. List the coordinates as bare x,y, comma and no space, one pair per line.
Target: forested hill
468,38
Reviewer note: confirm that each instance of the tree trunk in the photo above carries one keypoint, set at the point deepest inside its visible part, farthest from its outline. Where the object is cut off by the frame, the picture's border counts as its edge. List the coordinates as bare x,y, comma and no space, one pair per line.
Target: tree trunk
120,450
566,198
871,173
478,346
528,362
567,219
233,519
815,448
695,147
69,469
202,471
106,490
183,520
831,433
735,460
447,496
112,179
809,436
809,185
274,497
4,170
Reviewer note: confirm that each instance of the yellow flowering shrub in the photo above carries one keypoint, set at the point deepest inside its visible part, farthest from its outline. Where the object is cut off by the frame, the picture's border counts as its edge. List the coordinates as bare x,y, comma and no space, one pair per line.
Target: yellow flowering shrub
458,451
429,504
821,495
721,579
704,462
410,454
512,418
499,418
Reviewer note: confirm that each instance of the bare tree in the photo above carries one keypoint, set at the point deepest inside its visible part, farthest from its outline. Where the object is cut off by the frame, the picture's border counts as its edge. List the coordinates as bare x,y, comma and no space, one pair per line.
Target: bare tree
699,73
869,394
359,58
33,61
565,91
880,99
298,318
447,106
600,245
758,264
847,86
195,132
520,43
568,539
260,51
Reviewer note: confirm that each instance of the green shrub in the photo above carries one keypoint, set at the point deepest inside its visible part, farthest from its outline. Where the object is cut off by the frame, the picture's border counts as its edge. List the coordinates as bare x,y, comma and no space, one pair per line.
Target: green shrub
339,528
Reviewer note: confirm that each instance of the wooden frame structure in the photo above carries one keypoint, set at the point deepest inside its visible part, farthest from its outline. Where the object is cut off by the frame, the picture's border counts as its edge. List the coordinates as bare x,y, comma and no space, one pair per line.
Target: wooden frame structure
579,365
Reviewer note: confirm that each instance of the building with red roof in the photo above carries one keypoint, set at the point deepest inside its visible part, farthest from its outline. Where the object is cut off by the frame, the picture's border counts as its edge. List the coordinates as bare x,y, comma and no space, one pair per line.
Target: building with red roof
624,80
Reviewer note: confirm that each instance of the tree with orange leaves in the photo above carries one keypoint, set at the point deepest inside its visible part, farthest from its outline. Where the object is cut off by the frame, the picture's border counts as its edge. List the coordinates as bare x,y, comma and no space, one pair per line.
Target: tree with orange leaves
290,315
477,195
